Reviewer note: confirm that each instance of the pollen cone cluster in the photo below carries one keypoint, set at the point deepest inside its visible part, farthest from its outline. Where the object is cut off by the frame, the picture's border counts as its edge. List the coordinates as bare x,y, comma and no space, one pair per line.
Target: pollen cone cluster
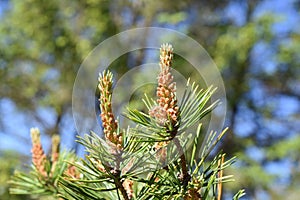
167,110
110,125
38,156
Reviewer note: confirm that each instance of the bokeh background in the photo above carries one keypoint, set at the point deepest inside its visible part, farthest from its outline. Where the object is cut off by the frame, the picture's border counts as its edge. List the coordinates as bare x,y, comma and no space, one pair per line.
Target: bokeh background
255,44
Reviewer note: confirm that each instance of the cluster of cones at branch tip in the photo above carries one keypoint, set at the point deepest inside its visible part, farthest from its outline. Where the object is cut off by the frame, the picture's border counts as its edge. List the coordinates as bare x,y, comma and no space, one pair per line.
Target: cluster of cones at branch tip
63,176
40,160
165,112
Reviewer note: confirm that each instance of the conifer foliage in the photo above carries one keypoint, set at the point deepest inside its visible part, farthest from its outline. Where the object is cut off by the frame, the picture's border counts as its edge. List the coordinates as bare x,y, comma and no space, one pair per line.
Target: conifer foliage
157,159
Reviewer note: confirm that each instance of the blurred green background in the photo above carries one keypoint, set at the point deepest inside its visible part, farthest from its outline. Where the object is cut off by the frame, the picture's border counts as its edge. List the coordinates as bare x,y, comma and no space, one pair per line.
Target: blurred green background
255,44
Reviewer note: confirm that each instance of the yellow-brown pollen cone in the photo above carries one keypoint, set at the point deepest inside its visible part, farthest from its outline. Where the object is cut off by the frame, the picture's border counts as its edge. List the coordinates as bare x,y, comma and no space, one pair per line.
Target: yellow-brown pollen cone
110,125
167,108
38,156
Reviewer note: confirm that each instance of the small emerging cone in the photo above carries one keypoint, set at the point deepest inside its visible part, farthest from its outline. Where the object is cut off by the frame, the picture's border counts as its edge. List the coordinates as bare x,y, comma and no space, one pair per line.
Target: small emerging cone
55,151
193,194
72,172
128,186
110,125
161,151
38,156
99,165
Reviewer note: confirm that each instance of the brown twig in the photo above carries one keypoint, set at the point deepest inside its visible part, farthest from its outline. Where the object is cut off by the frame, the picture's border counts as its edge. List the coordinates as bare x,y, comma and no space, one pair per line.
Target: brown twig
185,175
220,175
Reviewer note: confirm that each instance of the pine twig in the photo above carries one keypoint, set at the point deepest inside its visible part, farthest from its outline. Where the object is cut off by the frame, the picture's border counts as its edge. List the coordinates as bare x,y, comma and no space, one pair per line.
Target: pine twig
220,175
185,175
121,188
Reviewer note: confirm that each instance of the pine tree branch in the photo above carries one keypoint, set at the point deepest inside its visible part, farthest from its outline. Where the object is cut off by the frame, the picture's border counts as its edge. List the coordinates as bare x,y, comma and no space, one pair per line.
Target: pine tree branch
116,167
